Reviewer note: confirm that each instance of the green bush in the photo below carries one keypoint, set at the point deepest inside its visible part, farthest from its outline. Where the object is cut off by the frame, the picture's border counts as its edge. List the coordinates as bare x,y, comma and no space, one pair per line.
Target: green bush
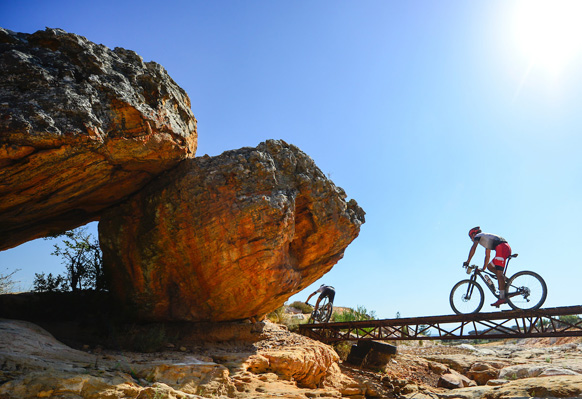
342,349
569,319
83,259
293,325
354,315
49,283
360,314
278,315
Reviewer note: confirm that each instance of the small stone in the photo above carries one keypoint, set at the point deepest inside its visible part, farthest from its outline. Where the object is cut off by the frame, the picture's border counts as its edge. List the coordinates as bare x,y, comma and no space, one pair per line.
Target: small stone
497,382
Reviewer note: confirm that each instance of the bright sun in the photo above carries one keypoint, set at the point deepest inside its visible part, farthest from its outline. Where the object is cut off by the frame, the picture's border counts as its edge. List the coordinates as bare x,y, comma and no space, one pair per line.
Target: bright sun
549,32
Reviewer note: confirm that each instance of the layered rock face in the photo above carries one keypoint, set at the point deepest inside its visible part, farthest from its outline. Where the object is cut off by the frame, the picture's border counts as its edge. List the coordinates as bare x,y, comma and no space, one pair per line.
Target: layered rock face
271,362
81,127
227,237
277,364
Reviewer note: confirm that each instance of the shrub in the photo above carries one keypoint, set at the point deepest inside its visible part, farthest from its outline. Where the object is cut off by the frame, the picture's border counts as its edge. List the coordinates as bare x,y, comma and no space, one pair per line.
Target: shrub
49,283
278,315
302,306
147,338
354,315
6,282
571,319
293,325
342,349
83,260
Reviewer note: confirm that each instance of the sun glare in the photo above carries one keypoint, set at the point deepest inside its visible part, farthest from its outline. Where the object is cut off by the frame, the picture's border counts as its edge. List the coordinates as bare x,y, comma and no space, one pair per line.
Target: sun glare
549,32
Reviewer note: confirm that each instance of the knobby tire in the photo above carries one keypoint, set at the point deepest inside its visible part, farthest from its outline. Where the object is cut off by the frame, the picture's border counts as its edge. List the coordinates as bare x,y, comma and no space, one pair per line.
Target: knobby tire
526,281
459,297
323,313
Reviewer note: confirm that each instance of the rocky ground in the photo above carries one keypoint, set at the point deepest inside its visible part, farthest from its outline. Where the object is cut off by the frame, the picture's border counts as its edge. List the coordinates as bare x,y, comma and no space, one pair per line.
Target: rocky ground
501,369
265,360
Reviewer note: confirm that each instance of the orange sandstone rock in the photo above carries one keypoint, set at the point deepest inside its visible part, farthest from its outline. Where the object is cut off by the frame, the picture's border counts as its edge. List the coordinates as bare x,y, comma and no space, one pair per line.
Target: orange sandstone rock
227,237
81,127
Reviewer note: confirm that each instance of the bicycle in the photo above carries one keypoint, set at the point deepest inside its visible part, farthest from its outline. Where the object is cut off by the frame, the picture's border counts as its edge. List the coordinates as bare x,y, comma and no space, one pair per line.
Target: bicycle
323,313
524,290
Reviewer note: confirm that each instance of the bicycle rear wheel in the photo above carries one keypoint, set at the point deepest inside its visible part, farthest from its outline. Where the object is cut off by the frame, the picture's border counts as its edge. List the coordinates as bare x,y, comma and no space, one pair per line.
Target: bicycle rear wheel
318,316
526,291
467,297
321,311
326,312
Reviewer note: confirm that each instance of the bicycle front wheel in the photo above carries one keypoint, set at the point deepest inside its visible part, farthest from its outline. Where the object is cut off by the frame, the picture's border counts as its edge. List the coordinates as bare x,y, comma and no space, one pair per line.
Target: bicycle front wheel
467,297
526,291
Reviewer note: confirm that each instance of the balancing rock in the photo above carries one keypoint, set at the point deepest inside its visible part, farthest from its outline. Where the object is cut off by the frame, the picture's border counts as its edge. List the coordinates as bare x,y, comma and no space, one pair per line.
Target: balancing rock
227,237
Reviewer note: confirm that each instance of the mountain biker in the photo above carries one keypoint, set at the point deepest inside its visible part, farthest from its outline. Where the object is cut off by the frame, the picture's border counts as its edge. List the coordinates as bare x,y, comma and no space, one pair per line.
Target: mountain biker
497,266
326,291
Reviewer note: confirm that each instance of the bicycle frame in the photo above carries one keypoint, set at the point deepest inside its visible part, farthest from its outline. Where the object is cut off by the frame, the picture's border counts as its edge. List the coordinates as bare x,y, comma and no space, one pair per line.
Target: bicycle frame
317,314
477,272
524,290
481,273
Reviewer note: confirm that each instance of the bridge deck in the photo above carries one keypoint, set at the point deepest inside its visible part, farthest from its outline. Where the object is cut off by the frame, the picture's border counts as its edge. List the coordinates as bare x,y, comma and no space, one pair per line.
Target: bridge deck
506,324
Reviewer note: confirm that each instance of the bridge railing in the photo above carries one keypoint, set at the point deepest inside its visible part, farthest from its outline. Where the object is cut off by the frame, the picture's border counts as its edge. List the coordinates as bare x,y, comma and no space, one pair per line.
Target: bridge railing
506,324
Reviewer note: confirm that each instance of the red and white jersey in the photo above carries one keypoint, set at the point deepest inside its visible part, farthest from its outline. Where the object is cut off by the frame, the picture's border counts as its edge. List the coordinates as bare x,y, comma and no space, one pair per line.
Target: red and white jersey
489,241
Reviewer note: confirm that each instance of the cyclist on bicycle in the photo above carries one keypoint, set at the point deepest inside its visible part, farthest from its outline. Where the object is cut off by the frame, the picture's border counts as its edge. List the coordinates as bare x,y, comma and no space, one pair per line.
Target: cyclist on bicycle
326,291
497,266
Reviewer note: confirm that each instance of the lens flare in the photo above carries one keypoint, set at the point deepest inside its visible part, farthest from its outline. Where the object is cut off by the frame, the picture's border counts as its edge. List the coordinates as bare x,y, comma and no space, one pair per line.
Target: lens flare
549,33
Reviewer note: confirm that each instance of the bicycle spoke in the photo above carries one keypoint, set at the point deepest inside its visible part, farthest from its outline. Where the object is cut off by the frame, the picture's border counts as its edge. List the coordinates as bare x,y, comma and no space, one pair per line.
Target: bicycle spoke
526,290
466,297
320,316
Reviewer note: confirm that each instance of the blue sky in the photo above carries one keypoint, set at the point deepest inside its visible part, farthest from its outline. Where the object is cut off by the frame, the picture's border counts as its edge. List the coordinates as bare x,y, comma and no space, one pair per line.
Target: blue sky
436,116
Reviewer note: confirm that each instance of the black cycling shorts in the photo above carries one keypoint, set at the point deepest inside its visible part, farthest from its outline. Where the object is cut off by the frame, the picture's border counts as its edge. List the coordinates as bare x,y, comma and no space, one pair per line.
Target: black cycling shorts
329,293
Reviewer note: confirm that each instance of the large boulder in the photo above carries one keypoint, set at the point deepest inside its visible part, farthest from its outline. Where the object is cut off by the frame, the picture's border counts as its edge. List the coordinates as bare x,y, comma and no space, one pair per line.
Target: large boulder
227,237
81,127
482,372
308,364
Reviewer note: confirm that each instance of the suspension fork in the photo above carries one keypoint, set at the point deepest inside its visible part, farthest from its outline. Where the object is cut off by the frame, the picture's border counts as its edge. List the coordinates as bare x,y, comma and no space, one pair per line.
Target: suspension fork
472,279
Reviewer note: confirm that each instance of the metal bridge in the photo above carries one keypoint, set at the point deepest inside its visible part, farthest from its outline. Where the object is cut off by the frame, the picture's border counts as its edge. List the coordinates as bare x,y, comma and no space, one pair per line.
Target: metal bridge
505,324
